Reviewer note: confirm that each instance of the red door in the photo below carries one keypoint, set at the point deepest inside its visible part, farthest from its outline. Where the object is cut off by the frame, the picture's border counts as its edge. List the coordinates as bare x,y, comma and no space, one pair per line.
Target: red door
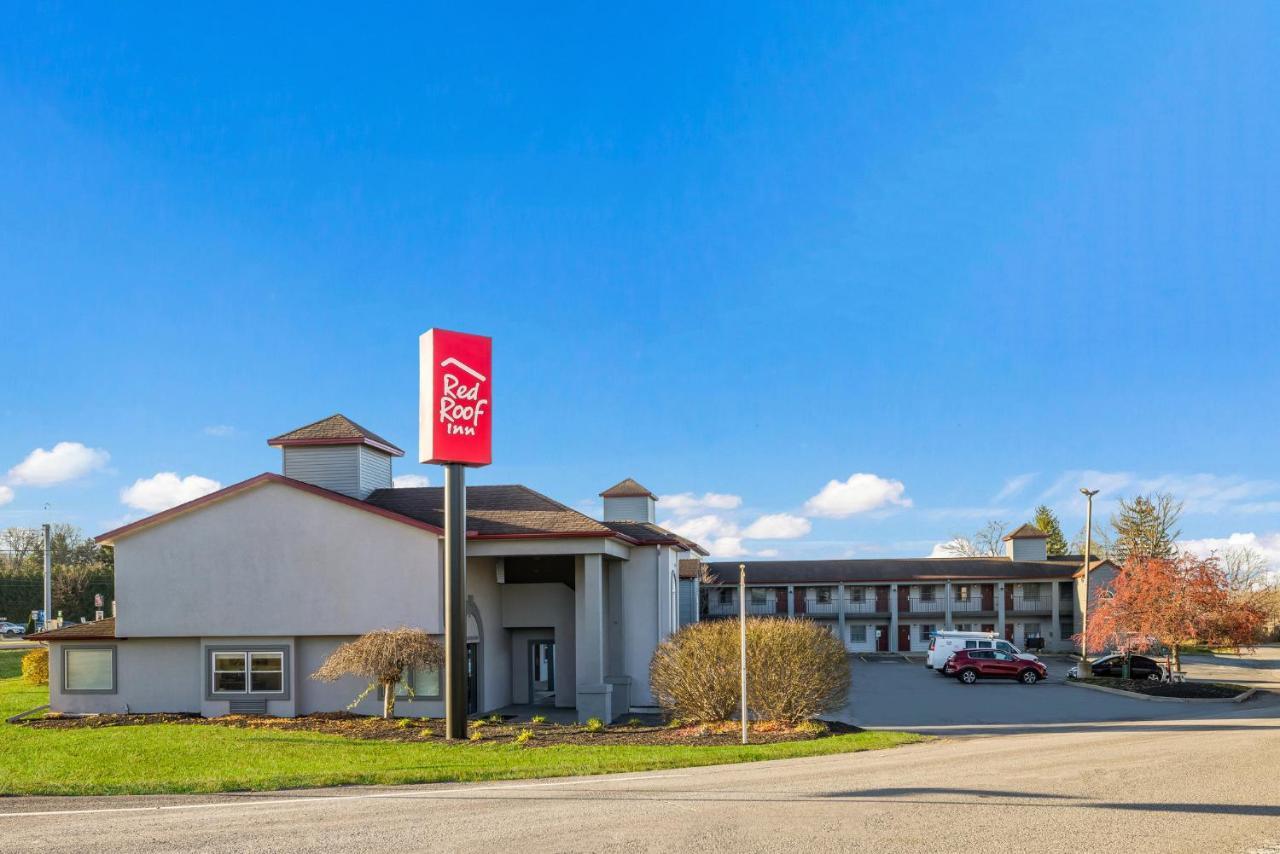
882,600
1008,632
904,605
882,640
904,638
799,601
1008,598
988,598
780,598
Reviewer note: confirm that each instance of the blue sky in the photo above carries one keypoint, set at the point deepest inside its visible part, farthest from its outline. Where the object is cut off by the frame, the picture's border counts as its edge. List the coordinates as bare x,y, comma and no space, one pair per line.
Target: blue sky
981,255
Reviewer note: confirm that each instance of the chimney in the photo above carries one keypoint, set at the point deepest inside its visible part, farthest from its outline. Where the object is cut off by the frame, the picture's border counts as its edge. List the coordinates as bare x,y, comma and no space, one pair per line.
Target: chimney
338,454
1026,543
628,501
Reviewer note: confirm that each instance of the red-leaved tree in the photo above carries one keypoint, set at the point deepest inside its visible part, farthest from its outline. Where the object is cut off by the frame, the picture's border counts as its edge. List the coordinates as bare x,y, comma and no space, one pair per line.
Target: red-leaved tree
1157,601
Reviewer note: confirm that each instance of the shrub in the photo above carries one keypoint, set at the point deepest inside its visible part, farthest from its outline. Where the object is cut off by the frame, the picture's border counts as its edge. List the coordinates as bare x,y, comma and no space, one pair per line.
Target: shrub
814,728
595,725
524,736
634,722
796,670
538,719
35,667
694,672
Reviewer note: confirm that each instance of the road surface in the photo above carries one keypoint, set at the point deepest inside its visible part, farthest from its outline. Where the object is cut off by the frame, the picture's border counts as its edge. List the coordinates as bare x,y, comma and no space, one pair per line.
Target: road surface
1205,783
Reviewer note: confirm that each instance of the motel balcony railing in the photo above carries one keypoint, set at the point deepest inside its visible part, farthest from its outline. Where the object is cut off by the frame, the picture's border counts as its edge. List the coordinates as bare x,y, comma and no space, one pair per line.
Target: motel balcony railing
969,606
1034,605
716,608
917,605
831,608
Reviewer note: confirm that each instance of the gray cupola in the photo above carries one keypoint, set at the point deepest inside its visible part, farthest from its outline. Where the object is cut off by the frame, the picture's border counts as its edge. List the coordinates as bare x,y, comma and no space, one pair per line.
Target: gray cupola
628,501
1026,543
338,454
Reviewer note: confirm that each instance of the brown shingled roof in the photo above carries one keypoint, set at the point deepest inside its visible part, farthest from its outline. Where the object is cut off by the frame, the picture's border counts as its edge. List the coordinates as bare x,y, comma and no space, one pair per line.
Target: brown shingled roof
1026,532
648,533
494,511
627,489
337,429
97,630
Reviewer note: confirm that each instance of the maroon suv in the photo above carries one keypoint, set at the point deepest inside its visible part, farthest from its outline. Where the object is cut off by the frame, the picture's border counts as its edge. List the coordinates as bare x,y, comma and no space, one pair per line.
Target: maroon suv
970,665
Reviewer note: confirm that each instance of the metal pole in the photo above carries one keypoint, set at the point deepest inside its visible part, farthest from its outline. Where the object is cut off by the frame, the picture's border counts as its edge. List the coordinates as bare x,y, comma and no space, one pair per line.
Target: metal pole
742,619
455,598
48,576
1086,669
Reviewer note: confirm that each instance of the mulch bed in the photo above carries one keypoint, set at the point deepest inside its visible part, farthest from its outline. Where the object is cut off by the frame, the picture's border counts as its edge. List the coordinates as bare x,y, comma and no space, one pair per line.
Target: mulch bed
1181,690
484,731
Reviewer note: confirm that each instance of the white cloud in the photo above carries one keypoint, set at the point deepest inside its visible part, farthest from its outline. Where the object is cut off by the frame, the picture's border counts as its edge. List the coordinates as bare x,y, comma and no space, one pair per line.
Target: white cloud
859,494
408,481
940,549
1013,486
6,495
221,431
777,526
1267,544
67,461
702,528
166,490
687,503
1201,493
727,547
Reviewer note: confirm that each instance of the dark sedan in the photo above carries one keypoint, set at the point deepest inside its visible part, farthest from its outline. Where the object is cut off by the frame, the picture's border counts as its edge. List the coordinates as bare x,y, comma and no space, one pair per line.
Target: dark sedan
1112,667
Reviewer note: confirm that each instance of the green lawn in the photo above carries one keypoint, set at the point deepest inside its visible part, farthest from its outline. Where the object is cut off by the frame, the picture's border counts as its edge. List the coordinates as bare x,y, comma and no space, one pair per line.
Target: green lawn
178,758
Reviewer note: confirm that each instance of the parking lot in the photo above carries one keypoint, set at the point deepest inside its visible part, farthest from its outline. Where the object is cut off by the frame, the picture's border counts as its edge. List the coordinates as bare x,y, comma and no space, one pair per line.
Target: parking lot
892,693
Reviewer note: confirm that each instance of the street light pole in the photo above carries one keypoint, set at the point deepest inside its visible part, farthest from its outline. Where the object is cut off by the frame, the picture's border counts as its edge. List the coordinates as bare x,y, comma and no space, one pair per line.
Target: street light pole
1086,669
742,620
48,577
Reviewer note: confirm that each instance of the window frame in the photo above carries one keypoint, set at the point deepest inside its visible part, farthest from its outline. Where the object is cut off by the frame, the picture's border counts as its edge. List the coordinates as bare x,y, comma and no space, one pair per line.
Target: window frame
853,626
115,671
248,651
416,697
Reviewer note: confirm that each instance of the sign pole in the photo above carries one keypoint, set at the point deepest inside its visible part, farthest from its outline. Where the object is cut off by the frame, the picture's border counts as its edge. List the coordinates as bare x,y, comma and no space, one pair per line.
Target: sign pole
455,598
742,619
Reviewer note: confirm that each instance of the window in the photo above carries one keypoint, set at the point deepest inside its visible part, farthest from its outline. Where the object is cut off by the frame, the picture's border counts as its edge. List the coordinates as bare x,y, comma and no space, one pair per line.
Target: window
425,684
857,594
964,627
962,593
247,672
726,596
1031,630
823,596
759,595
1031,592
926,593
857,634
89,669
925,630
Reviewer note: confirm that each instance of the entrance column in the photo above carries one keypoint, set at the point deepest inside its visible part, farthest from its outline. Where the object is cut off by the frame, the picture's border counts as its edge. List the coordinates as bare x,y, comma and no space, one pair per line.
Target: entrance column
844,634
946,620
594,694
1056,626
1000,615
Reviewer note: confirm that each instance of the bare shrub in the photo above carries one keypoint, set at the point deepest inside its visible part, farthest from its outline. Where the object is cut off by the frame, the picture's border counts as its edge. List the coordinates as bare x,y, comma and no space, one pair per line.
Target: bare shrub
382,657
796,670
694,672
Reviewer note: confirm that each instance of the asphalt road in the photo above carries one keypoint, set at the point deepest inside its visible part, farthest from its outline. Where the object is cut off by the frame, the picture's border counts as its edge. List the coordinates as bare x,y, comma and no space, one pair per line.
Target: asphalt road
1203,781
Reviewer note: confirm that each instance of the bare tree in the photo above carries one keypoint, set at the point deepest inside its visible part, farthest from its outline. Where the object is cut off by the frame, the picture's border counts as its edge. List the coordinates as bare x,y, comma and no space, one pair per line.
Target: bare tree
1251,582
383,657
988,541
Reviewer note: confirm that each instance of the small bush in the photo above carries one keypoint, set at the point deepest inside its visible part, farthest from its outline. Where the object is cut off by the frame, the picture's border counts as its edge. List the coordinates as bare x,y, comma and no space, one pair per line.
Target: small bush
35,667
538,719
524,736
595,725
814,728
634,722
796,670
495,719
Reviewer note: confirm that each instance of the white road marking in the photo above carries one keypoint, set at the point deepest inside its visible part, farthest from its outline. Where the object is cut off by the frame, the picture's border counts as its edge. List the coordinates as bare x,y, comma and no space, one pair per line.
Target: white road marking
319,799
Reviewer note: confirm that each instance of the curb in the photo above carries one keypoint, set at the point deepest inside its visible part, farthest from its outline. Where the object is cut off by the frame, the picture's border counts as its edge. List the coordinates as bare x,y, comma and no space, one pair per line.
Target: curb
1238,698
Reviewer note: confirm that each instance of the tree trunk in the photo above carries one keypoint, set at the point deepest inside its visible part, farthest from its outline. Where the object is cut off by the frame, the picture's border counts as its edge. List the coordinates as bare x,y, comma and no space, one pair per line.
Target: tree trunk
1177,658
388,700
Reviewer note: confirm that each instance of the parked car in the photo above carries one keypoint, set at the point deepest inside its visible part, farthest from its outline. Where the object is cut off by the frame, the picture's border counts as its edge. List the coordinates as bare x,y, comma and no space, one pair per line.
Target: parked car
944,643
1111,666
12,630
970,665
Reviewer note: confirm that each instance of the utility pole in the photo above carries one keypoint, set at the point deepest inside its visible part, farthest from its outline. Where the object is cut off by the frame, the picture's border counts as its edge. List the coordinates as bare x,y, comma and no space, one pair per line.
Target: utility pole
455,598
742,619
1086,669
48,576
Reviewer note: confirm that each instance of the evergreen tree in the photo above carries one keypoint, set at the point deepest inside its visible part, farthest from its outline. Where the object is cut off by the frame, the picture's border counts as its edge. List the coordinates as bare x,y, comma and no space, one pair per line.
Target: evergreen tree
1147,527
1047,521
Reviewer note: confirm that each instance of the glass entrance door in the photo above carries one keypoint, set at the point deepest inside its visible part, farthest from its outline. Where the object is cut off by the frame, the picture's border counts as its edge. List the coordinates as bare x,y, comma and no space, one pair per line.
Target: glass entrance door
473,677
542,672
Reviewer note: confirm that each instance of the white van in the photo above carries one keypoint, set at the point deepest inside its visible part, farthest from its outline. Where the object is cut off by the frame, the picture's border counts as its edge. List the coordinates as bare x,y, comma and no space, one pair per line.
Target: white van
944,643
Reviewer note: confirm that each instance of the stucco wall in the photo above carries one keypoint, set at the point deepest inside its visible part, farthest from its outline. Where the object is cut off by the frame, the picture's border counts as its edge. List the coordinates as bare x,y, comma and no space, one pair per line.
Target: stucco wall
276,561
152,675
539,606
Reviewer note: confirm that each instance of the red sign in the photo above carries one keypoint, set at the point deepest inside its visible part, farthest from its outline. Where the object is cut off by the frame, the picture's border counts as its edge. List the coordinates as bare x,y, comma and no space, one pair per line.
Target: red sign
456,406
